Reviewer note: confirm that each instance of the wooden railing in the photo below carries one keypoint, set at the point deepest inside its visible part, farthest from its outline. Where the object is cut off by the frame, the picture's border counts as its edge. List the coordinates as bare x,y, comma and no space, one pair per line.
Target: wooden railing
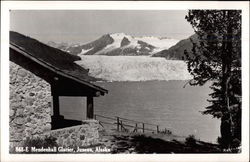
128,125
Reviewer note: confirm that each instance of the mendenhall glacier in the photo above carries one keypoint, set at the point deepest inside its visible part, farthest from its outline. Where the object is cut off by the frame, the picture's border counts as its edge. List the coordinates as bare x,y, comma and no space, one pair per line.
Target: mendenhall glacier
134,68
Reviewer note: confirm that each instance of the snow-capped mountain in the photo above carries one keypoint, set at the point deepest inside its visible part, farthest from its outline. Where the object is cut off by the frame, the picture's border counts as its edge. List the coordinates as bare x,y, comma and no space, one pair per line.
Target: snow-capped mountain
120,44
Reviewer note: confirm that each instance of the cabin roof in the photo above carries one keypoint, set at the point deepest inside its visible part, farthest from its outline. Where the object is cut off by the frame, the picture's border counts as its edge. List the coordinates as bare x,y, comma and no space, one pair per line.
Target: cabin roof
53,59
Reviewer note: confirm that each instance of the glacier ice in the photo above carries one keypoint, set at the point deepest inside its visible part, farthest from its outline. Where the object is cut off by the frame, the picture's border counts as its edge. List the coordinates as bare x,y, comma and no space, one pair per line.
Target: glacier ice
134,68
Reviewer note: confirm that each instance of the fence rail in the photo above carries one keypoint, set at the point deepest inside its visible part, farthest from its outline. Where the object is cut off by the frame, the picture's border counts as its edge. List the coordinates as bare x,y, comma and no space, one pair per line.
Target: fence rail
128,125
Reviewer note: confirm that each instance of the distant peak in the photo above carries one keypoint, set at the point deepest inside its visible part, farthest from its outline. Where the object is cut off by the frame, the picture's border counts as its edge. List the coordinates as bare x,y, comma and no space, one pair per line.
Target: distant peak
120,34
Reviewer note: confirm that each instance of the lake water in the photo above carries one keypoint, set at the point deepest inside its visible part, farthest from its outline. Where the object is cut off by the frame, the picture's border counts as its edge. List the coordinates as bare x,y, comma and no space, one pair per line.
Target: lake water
165,103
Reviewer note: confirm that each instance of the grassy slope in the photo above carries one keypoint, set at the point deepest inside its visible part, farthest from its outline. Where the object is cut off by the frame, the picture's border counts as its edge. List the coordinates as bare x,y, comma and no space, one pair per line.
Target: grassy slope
138,143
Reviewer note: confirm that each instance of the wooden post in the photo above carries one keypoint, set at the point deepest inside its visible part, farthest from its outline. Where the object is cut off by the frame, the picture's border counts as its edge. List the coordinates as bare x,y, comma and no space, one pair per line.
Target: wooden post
121,125
143,127
56,119
56,111
118,122
157,128
90,107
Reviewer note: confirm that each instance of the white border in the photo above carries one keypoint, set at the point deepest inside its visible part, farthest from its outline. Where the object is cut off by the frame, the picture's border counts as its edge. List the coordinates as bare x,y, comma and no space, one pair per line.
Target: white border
121,5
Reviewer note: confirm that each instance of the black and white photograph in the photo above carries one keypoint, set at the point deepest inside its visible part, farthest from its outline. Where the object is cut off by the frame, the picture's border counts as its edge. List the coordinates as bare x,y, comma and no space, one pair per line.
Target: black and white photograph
125,81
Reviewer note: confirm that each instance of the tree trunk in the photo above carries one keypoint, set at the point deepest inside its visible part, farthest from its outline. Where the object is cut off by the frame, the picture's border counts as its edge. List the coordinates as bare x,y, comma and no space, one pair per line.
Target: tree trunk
226,73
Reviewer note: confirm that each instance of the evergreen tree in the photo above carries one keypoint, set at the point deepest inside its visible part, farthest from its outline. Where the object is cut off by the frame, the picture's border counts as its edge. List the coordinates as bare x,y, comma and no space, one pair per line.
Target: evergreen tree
216,57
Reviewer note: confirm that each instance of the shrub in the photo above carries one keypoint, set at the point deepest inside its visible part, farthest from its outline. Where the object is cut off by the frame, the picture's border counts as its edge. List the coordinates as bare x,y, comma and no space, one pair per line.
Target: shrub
235,145
190,140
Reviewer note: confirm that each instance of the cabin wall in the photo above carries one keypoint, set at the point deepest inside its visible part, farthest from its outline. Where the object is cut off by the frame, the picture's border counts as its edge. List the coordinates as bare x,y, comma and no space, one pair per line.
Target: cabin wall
30,105
83,135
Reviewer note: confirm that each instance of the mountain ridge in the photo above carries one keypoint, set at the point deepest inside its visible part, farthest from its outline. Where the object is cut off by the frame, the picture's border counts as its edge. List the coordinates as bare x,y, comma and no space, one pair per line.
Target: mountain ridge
177,51
119,44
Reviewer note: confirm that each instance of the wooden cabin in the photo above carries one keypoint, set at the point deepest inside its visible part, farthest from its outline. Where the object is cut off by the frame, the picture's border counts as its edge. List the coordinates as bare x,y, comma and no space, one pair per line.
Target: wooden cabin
57,68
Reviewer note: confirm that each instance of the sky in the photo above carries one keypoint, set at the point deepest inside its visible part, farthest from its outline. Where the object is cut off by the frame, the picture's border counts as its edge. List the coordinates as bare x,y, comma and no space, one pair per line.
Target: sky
82,26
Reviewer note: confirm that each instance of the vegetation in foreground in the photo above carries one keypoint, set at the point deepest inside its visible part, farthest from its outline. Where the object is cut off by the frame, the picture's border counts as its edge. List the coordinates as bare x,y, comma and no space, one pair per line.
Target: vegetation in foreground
146,144
152,143
135,143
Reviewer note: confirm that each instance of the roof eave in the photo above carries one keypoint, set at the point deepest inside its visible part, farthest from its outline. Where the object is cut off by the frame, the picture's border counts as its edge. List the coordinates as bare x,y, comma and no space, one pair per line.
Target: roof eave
54,69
